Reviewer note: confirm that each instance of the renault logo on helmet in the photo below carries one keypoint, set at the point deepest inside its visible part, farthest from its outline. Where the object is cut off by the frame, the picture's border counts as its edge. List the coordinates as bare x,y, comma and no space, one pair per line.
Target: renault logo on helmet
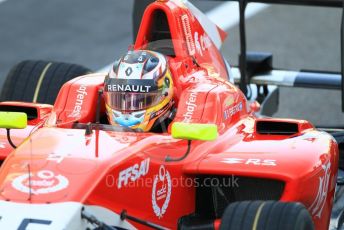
128,71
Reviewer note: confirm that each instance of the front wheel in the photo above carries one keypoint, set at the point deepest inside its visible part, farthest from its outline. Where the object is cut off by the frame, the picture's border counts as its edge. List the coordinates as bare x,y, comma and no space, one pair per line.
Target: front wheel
266,215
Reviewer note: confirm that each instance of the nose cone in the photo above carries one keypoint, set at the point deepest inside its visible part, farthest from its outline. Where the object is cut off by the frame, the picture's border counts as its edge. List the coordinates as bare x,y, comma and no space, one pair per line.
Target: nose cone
51,166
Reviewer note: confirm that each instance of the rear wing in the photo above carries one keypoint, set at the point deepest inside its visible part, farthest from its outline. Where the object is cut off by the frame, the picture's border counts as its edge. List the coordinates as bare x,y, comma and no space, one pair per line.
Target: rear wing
287,78
329,3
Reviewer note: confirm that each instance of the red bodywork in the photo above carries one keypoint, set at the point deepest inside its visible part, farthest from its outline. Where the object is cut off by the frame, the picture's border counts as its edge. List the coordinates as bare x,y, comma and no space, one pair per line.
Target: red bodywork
129,171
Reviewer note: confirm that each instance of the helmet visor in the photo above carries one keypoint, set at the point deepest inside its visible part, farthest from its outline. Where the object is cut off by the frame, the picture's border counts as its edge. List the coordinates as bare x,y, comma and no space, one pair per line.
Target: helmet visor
131,94
123,101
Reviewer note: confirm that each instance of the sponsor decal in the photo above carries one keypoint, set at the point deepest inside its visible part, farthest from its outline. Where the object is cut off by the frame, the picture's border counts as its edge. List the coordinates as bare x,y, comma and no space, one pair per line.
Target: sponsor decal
188,34
42,182
229,112
81,94
259,162
130,85
320,200
129,88
54,157
161,192
133,173
202,43
190,107
2,145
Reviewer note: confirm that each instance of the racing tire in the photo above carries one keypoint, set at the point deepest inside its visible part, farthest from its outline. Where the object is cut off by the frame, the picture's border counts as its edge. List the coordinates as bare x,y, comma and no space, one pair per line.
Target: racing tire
269,215
38,81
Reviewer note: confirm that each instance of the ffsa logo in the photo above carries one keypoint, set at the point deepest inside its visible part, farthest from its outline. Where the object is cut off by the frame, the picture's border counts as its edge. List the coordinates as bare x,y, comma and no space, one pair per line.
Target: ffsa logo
133,173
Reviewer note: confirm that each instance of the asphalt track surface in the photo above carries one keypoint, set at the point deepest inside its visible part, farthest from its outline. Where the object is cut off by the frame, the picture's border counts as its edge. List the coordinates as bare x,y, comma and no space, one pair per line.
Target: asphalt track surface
94,33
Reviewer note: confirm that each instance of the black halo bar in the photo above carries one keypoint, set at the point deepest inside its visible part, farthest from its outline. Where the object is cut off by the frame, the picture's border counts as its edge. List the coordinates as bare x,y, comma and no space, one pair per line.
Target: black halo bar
242,57
326,3
342,53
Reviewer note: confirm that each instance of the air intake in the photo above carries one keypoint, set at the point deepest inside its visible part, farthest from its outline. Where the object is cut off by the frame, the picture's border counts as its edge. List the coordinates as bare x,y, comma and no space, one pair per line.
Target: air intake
216,192
276,127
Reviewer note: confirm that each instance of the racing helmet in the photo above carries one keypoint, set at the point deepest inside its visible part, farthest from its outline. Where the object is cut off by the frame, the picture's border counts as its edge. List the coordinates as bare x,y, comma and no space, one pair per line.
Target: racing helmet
138,90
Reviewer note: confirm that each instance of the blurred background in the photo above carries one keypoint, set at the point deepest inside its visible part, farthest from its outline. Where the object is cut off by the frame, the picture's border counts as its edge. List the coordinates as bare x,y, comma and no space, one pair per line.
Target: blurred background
95,33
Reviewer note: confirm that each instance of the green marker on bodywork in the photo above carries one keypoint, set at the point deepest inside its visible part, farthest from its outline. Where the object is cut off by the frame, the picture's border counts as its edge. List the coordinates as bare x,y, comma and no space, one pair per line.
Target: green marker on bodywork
194,131
13,120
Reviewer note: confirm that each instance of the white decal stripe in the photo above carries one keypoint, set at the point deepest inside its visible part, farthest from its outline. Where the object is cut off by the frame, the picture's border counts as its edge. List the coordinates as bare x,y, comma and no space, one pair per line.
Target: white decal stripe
66,215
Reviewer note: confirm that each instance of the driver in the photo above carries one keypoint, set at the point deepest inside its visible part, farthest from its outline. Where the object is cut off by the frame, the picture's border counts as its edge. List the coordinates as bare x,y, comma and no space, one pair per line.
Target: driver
138,92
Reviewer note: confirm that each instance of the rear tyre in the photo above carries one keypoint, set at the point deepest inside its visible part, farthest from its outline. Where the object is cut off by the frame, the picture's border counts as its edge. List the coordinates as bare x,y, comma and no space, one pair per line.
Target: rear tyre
38,81
270,215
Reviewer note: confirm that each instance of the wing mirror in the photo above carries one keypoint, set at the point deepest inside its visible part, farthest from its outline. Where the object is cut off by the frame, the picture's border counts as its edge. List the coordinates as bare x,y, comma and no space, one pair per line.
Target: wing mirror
193,131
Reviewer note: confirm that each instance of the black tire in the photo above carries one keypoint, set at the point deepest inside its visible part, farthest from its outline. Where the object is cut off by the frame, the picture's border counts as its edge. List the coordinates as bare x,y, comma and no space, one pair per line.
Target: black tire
38,81
270,215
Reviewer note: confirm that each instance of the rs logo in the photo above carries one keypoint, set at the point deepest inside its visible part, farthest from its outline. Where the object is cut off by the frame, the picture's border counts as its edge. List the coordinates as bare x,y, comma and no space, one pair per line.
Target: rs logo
258,162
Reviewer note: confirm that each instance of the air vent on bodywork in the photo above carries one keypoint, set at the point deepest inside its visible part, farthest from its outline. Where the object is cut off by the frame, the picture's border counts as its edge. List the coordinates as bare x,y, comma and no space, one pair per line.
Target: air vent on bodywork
211,201
276,127
31,112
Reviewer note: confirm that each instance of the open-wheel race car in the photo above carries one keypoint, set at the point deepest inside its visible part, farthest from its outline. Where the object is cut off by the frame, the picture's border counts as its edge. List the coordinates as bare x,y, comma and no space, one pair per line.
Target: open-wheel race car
217,164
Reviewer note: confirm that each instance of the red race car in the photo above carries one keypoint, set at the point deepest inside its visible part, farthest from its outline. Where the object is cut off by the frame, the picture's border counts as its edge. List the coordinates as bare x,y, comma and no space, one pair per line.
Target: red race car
216,165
